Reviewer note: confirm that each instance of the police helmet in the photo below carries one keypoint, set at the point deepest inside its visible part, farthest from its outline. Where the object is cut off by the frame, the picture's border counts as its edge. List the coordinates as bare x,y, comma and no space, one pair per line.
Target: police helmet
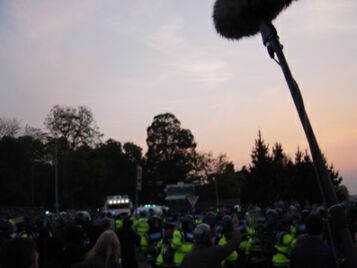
154,220
187,223
210,219
186,219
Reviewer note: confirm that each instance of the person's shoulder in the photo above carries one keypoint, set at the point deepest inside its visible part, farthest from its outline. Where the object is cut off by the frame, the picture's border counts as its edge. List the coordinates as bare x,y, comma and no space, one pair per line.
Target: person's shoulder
97,262
89,263
301,247
312,245
326,248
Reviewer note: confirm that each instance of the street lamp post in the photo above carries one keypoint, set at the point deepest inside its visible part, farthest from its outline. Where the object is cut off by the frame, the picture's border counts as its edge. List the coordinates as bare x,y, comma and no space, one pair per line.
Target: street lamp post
216,188
56,177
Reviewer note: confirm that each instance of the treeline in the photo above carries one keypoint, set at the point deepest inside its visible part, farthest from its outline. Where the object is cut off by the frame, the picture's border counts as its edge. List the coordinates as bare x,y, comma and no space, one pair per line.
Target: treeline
90,169
85,174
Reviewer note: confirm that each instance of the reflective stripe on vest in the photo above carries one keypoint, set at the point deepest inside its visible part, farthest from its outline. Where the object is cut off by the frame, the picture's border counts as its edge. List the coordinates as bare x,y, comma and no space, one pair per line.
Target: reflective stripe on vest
154,237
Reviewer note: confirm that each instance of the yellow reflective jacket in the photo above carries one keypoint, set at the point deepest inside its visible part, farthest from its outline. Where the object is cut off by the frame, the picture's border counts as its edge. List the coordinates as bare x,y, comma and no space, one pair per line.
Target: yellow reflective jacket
182,243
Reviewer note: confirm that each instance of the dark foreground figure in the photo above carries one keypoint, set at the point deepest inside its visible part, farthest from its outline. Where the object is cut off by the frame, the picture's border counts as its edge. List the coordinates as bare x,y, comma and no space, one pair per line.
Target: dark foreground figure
313,252
104,254
204,253
19,253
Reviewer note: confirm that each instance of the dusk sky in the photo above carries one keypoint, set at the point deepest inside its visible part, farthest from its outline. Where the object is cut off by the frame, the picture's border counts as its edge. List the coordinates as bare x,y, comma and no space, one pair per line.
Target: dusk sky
131,60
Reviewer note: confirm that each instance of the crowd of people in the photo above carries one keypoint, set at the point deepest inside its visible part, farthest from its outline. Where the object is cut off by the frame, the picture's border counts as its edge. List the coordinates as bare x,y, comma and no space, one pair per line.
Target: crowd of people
280,235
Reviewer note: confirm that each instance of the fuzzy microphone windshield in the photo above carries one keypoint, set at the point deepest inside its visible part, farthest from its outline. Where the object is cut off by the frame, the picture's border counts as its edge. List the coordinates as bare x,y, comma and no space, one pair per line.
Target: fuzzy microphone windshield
235,19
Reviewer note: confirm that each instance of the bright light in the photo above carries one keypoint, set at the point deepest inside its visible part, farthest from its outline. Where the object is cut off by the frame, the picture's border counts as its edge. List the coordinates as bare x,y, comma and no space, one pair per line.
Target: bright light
119,201
47,212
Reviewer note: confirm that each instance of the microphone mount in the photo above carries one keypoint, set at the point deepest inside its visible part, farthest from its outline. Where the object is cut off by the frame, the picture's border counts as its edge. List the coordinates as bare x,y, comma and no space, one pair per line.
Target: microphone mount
269,33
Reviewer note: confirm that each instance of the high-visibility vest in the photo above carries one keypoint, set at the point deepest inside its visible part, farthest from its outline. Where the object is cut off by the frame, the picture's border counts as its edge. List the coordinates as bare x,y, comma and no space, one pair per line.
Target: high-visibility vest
149,244
12,221
182,242
293,230
246,242
286,243
24,234
233,256
166,255
118,224
254,250
141,226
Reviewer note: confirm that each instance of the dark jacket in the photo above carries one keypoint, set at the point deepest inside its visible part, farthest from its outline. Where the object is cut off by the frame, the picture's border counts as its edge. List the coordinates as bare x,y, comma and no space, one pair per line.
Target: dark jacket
128,239
210,256
312,253
97,262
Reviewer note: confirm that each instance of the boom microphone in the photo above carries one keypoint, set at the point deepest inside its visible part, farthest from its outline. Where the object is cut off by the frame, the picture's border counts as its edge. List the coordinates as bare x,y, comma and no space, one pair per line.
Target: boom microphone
235,19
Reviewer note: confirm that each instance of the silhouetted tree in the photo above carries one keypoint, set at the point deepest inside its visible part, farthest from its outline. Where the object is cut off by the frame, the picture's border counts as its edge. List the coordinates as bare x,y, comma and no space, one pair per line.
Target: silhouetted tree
35,133
23,168
169,156
77,126
222,176
274,176
120,169
222,180
334,175
282,168
259,185
9,127
133,152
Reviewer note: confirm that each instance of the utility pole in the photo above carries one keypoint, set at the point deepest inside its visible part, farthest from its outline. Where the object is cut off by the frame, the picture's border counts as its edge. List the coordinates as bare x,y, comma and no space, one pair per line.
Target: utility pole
216,188
32,185
56,177
139,177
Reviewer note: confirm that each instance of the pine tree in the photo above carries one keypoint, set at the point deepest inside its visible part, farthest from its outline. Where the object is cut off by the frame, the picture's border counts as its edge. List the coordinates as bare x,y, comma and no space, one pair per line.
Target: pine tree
258,187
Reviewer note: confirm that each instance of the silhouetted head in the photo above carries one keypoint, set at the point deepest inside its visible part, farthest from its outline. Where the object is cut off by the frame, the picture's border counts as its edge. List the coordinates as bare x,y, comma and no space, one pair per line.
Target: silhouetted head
210,219
142,213
187,223
127,223
107,246
314,224
227,224
202,235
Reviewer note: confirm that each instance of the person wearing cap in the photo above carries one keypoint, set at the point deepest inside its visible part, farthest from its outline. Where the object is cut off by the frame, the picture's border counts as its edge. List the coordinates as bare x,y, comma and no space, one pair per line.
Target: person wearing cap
205,253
